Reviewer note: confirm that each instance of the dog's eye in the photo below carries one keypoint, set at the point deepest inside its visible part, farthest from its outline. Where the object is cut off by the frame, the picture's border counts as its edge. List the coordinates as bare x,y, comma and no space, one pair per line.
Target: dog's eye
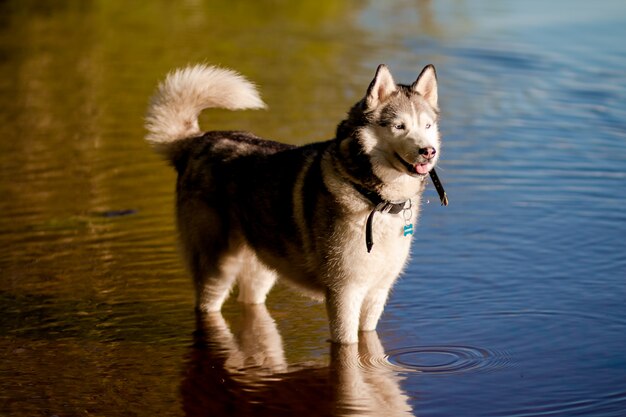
399,126
427,126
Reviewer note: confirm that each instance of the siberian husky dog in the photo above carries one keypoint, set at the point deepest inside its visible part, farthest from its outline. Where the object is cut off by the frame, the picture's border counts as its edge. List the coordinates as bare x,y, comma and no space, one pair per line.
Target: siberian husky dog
334,218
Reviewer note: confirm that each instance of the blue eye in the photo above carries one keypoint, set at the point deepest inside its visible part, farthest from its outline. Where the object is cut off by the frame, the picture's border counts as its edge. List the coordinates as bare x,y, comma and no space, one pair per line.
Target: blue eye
399,126
427,126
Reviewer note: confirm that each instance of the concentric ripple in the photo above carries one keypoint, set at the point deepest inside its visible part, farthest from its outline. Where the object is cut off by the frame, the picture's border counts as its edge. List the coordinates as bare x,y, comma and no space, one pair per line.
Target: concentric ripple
446,359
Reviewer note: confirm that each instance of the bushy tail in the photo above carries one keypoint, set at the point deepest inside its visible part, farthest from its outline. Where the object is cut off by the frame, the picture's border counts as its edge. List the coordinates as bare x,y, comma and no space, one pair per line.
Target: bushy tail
175,107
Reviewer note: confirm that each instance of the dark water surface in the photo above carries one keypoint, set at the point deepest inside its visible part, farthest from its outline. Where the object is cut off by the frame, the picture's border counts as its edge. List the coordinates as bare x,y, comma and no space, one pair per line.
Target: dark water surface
514,303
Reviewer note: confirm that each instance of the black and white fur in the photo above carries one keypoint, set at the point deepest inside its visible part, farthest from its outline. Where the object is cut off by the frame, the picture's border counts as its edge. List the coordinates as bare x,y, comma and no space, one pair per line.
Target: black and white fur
250,209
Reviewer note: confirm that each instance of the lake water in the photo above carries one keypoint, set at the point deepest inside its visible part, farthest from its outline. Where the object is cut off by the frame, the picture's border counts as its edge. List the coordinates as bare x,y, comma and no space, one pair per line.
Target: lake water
514,303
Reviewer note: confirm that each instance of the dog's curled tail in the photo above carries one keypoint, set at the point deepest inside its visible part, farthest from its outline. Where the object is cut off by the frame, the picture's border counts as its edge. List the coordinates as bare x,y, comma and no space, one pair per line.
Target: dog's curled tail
179,99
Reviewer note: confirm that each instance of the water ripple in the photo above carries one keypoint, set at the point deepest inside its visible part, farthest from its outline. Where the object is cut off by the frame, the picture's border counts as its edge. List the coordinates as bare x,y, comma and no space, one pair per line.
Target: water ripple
446,359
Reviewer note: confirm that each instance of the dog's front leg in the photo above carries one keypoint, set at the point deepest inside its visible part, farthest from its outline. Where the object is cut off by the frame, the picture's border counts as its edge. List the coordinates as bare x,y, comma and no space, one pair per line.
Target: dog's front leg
344,309
372,308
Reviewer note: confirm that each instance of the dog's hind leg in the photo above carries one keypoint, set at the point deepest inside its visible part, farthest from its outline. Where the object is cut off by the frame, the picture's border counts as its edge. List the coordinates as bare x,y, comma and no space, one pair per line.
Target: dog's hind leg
214,280
255,280
212,257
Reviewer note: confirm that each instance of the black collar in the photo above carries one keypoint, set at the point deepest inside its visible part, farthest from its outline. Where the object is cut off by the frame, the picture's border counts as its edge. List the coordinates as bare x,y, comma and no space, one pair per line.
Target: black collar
380,205
378,202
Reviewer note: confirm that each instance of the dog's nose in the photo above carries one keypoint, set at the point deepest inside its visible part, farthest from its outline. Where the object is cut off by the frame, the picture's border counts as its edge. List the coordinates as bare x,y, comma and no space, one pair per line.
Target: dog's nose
428,152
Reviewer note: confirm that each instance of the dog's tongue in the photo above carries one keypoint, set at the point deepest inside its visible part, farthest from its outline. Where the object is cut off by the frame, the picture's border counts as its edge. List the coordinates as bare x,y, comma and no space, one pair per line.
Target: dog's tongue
421,168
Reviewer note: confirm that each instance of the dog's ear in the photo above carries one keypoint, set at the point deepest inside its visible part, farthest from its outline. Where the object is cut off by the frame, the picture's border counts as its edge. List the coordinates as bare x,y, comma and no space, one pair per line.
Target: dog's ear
426,85
380,88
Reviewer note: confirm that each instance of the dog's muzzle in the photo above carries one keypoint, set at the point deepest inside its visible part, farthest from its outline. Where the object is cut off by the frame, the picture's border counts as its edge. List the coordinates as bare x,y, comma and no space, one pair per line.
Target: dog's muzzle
420,169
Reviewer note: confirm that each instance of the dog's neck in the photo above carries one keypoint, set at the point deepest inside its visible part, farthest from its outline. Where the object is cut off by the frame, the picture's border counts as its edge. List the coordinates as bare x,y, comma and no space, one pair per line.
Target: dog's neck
378,201
357,168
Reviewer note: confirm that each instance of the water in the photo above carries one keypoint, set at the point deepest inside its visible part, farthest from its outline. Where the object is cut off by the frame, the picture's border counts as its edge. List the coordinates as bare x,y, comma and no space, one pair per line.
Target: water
513,303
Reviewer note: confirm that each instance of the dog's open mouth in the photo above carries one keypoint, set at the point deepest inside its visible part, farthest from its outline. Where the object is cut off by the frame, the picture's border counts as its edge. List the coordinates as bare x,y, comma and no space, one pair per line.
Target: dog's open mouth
415,169
422,169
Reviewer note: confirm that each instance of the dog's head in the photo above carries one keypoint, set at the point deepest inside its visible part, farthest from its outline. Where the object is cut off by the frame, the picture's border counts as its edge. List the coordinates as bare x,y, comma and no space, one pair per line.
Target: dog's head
396,124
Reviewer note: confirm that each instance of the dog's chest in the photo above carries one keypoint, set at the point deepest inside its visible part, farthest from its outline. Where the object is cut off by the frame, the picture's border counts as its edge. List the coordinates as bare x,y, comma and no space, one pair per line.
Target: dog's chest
388,253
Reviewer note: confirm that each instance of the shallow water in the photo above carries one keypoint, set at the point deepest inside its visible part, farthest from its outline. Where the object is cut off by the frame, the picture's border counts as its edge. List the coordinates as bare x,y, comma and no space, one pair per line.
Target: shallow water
513,303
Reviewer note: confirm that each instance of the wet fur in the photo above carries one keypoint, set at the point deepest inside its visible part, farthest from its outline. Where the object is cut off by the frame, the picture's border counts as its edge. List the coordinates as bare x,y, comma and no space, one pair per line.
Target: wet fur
249,209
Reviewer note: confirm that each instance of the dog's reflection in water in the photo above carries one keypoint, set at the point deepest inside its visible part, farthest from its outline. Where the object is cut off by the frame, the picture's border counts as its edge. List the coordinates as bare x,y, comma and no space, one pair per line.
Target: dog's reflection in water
249,376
